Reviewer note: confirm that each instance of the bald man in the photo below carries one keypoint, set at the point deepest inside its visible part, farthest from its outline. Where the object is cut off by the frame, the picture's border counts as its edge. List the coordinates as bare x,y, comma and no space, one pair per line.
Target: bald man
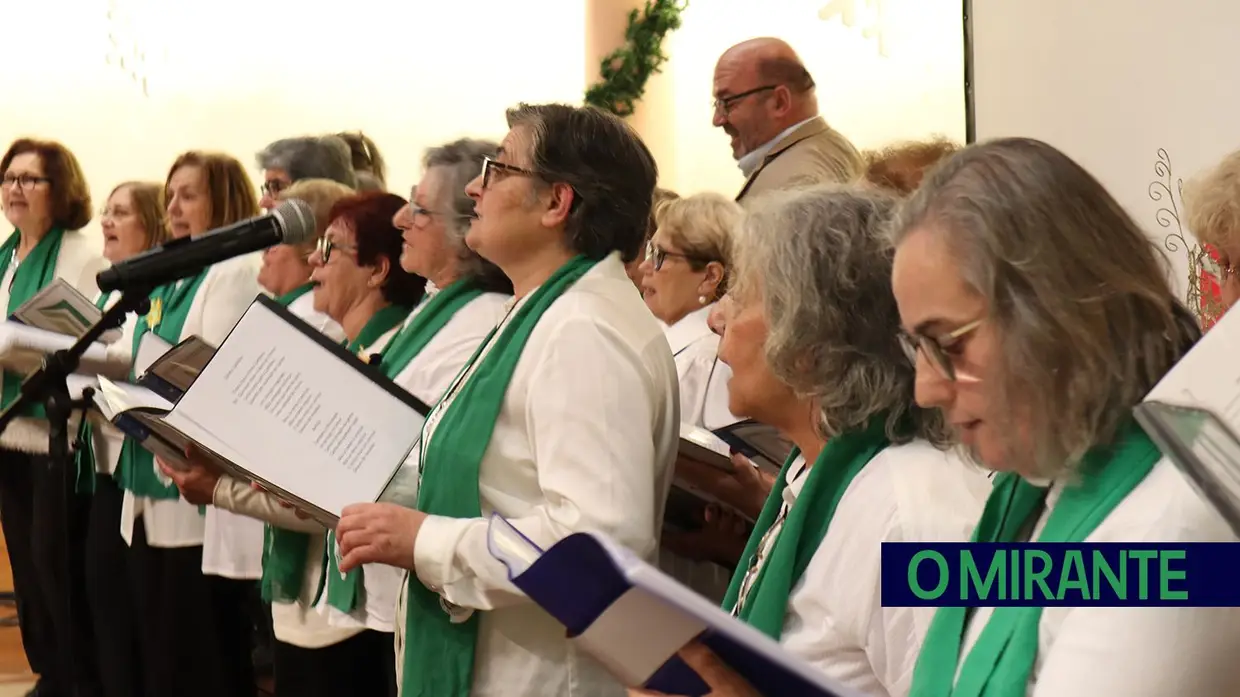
765,101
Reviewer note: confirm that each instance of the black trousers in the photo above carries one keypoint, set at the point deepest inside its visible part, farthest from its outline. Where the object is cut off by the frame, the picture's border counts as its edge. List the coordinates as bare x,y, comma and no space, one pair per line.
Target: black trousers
44,524
363,665
110,584
195,630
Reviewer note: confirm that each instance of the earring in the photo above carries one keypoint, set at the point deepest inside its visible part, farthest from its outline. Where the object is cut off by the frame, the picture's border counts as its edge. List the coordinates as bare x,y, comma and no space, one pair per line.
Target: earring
702,299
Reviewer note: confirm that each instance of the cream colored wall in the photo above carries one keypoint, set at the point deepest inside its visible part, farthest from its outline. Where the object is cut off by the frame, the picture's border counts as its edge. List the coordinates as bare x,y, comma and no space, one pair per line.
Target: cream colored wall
913,88
391,69
416,74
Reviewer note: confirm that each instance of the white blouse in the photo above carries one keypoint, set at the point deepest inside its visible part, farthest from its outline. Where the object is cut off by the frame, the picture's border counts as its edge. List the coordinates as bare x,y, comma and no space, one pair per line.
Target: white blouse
1136,651
907,493
426,377
703,380
77,263
303,307
703,377
585,440
232,544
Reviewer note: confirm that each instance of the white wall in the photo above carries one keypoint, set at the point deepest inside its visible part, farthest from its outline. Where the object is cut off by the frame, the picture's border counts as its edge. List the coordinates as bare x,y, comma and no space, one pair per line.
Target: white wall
913,91
221,82
233,75
1113,83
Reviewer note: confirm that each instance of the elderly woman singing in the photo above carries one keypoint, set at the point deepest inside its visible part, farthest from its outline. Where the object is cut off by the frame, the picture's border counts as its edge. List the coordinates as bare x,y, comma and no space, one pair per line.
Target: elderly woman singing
810,334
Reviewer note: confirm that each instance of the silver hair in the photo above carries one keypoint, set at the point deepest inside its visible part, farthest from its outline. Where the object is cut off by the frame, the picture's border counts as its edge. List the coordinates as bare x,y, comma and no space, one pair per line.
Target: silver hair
820,262
458,163
311,157
1077,295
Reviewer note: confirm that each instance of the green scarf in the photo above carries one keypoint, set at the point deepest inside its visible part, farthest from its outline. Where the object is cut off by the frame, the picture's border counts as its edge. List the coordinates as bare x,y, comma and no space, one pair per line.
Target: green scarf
135,470
1001,663
803,530
84,457
32,274
439,654
288,298
285,552
401,350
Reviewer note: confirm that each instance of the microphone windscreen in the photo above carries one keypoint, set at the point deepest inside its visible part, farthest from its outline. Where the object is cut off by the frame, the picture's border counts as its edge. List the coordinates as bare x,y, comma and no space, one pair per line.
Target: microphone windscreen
296,220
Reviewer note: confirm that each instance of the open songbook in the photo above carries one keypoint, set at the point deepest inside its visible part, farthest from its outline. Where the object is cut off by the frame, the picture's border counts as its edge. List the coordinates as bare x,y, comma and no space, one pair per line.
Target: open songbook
277,404
634,619
762,444
61,309
1193,415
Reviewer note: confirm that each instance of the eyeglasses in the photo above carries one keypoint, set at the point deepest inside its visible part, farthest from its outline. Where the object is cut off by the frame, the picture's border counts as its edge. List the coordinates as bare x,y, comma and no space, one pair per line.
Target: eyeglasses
273,187
25,182
420,216
115,213
490,167
324,247
657,255
935,349
726,104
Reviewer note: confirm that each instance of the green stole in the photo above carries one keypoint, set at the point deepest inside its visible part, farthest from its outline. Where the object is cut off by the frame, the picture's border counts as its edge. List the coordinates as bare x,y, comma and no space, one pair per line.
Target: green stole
1001,663
84,457
803,530
32,274
285,551
288,298
439,653
342,589
170,304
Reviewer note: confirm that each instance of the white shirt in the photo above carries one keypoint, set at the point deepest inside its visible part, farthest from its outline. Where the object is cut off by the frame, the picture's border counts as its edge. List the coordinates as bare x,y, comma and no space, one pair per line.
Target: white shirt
703,380
303,307
77,263
702,376
585,440
835,621
426,377
1135,651
232,544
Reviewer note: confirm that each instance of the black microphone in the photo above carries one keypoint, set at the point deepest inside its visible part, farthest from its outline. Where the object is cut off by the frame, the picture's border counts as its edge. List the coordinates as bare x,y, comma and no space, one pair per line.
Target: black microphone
291,222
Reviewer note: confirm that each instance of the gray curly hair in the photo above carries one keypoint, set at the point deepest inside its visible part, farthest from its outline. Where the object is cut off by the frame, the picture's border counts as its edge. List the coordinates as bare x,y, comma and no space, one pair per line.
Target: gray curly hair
311,157
819,261
458,163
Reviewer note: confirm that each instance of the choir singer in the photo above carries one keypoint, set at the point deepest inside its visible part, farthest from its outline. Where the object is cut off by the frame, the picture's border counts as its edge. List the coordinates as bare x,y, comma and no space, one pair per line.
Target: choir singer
566,419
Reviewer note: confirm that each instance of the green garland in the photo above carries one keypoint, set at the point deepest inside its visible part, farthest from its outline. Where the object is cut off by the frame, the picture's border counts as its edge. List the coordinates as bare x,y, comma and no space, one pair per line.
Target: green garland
626,70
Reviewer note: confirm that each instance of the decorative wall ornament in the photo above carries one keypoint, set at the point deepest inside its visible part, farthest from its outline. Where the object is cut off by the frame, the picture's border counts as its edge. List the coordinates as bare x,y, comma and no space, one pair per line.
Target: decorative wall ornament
127,49
866,15
626,70
1203,296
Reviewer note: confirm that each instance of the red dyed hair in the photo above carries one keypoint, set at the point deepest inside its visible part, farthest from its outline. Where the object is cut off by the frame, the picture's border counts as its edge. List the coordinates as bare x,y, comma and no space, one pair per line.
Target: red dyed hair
369,215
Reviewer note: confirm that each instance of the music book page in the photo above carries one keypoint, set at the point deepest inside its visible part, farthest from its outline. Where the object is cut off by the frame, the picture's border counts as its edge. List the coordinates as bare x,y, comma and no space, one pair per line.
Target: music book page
59,307
23,347
298,413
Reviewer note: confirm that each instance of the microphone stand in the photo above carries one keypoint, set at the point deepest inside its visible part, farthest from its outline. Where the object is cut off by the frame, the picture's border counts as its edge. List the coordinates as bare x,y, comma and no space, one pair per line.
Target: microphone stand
49,386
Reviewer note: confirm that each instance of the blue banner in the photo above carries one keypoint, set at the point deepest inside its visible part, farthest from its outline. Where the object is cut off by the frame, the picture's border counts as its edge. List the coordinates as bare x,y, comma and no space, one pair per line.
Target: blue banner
1065,575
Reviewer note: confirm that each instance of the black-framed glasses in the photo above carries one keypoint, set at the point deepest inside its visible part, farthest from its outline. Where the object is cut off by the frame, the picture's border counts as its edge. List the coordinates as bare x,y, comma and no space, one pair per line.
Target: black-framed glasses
273,187
490,166
657,255
935,349
726,104
25,182
325,246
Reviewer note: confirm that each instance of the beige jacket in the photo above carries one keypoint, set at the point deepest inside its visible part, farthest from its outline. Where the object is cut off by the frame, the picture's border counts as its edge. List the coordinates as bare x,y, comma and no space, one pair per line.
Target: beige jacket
815,153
